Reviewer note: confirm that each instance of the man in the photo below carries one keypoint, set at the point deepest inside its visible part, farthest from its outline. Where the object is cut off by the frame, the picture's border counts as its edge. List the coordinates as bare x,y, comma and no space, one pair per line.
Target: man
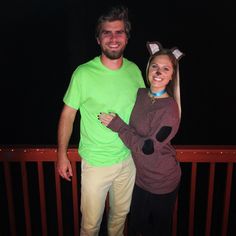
106,83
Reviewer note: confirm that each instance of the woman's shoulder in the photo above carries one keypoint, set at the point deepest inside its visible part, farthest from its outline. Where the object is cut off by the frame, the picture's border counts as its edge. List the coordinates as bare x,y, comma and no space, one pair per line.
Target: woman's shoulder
170,103
142,91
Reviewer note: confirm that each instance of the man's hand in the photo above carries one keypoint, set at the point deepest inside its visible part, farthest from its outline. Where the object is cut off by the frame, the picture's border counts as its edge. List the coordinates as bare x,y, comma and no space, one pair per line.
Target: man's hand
64,168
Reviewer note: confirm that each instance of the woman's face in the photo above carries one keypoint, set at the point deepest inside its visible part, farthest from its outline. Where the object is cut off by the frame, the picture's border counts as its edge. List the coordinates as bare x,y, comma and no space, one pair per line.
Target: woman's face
160,72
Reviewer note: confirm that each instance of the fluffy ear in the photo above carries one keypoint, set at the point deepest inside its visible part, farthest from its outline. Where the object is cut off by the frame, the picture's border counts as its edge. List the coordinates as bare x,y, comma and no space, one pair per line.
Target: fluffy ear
153,47
177,53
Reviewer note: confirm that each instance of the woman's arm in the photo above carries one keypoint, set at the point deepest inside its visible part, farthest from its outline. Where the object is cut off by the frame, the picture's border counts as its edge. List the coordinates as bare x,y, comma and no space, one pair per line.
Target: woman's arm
161,134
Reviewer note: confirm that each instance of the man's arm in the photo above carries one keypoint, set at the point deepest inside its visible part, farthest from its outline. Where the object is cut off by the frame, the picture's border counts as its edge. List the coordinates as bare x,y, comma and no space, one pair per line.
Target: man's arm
65,128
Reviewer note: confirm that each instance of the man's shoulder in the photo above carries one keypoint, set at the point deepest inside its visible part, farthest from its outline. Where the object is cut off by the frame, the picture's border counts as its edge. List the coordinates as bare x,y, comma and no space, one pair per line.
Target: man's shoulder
85,67
129,62
131,66
87,64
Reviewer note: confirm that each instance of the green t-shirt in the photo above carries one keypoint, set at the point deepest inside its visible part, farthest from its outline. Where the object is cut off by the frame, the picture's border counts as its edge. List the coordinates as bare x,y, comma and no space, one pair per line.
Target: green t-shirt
93,89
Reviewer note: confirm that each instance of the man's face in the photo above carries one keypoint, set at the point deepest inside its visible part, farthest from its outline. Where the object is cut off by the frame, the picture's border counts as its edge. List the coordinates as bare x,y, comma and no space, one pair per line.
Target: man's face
112,39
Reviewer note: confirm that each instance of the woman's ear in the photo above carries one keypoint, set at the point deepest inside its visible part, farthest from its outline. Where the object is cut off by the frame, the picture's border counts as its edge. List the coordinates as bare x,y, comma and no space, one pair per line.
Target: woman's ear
177,53
153,47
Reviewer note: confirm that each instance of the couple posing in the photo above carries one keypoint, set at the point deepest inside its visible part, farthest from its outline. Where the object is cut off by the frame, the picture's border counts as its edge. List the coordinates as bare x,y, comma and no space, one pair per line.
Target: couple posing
125,133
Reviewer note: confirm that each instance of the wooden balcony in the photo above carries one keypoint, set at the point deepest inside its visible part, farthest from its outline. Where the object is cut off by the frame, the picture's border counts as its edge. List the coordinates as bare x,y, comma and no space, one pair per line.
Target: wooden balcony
34,200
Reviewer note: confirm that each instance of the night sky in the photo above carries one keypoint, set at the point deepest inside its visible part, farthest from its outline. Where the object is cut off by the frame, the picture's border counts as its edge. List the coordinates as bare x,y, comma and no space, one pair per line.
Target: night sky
42,42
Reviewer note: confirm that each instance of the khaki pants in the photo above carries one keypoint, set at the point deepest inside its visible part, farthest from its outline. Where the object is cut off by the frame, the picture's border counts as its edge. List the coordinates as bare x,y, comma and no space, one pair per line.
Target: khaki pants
96,182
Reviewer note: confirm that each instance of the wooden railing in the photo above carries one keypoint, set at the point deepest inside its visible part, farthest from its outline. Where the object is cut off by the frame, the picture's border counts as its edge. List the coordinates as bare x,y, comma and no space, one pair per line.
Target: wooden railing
34,200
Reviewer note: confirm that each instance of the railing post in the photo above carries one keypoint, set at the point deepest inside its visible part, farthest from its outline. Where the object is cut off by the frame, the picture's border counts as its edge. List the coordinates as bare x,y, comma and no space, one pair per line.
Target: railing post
227,199
75,199
10,201
192,198
209,199
59,202
26,198
42,198
175,218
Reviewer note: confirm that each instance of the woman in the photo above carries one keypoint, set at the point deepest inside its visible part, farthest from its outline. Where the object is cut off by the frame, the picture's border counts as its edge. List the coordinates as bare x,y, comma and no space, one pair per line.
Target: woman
153,123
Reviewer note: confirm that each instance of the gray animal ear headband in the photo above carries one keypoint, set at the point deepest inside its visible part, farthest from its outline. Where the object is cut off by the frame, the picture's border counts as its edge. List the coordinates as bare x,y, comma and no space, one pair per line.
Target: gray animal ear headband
155,46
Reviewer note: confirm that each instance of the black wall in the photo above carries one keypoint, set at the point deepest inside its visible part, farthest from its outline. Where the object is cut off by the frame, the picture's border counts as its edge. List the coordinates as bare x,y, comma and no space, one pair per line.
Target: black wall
42,42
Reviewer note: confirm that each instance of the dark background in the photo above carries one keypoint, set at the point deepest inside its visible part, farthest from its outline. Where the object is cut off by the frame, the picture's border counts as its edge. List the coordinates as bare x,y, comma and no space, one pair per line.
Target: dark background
42,42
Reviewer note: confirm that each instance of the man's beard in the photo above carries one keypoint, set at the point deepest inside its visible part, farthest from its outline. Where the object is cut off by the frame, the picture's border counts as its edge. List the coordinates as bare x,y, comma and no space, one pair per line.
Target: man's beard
113,55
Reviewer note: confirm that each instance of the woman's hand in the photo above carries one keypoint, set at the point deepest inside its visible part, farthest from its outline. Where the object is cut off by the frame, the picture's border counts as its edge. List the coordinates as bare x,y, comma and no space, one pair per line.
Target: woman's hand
106,118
